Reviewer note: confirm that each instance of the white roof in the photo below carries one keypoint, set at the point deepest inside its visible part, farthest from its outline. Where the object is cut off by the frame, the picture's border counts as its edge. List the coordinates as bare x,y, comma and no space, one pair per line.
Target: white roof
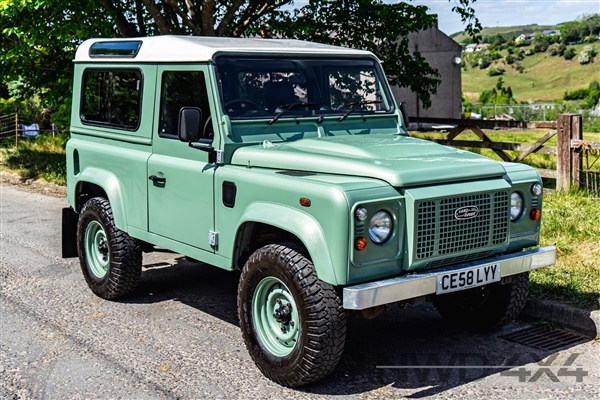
198,48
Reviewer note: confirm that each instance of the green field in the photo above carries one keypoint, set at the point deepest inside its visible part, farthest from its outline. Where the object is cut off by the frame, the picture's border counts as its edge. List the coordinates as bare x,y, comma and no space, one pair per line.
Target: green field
545,78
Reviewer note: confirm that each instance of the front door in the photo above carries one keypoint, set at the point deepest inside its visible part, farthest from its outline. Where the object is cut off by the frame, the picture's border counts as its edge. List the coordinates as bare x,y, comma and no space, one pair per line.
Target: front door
180,178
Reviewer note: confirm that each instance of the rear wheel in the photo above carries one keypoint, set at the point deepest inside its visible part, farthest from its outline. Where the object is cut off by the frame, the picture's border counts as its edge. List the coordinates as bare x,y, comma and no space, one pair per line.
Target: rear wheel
487,307
293,324
111,260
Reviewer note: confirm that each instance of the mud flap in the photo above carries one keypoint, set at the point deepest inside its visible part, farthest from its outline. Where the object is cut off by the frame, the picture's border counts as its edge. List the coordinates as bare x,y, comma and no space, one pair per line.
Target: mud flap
69,233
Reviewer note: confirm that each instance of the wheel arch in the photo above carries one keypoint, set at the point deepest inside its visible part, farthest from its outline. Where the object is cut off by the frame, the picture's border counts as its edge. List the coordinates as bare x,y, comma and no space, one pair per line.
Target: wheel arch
257,228
93,182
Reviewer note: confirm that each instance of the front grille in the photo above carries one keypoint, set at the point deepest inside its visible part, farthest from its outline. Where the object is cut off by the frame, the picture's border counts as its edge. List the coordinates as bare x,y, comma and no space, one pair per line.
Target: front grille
458,259
441,234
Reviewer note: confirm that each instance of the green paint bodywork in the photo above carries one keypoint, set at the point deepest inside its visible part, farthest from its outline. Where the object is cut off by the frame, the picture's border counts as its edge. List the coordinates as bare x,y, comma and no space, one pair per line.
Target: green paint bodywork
365,160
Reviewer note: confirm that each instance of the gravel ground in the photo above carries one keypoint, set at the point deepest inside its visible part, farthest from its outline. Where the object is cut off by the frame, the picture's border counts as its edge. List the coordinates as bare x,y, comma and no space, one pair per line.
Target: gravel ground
177,336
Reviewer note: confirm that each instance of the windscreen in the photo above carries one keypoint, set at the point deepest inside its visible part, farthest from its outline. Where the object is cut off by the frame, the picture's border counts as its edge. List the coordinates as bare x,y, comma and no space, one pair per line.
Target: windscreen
253,87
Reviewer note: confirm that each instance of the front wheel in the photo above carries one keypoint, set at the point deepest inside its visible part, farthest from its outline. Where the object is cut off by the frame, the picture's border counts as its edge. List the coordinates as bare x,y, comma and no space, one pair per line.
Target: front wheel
111,260
487,307
293,324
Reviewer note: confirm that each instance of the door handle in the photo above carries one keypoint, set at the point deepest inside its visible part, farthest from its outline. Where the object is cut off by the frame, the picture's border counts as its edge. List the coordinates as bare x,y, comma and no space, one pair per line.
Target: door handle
157,179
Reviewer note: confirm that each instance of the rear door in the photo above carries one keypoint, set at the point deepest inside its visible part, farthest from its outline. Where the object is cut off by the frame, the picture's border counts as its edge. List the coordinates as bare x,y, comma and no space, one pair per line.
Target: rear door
180,178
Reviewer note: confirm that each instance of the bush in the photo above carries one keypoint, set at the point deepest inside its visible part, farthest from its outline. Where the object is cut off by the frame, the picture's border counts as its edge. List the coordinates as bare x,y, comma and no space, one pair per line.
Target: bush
557,49
540,47
591,95
578,94
487,96
569,53
495,71
592,126
510,59
484,62
587,55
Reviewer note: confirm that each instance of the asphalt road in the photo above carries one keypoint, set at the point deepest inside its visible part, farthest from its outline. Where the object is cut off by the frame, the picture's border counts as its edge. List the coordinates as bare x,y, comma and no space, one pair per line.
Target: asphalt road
178,337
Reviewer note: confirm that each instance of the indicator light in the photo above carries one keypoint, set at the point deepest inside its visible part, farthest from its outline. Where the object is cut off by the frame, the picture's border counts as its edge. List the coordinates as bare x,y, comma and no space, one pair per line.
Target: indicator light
360,243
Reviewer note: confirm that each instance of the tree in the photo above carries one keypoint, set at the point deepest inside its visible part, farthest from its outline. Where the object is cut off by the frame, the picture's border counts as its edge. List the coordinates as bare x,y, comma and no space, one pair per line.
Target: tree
39,37
576,31
498,95
38,41
373,25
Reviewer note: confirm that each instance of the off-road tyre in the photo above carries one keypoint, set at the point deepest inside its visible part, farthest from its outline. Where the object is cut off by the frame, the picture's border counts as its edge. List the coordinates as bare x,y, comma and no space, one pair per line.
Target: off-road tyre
110,259
318,330
485,308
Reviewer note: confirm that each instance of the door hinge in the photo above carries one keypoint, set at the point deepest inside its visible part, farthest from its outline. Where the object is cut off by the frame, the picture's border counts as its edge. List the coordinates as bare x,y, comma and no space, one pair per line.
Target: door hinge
219,156
213,238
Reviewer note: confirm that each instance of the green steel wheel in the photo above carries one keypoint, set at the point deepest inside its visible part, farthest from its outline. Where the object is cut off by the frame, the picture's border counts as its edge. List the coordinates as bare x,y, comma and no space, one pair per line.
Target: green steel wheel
293,324
96,249
111,261
275,316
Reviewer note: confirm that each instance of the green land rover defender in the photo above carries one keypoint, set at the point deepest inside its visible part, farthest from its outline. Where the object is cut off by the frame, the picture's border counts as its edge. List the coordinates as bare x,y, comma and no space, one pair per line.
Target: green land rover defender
289,161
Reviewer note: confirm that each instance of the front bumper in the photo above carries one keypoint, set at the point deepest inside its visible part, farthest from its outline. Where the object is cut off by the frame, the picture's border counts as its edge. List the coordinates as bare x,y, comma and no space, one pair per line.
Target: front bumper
418,284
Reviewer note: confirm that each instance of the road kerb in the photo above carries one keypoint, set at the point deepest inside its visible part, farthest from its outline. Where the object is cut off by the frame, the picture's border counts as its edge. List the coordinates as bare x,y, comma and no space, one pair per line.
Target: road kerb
583,321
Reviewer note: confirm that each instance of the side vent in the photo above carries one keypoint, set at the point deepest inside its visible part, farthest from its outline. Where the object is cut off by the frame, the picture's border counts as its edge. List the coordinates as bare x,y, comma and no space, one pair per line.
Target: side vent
76,168
296,173
229,193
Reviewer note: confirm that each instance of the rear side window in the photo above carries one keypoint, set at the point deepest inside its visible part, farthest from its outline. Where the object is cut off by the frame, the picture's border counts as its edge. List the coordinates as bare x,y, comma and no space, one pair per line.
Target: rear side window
112,98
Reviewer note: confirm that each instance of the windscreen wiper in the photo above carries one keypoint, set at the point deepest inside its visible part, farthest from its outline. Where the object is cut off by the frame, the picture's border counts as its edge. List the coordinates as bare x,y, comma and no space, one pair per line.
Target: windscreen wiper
354,105
288,107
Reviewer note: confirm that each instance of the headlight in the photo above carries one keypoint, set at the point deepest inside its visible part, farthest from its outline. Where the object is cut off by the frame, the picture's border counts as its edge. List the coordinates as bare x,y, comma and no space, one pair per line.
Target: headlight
516,206
380,227
536,189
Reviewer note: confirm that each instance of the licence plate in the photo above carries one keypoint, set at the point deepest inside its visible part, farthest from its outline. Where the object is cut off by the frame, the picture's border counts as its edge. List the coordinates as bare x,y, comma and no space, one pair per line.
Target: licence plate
467,278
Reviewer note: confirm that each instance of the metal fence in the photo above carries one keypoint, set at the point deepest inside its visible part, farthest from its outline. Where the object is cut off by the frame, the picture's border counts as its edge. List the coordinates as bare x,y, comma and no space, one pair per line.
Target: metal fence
591,181
525,112
9,126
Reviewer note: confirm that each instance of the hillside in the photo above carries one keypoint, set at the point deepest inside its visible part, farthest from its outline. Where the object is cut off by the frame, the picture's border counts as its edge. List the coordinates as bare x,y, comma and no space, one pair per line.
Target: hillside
506,31
544,77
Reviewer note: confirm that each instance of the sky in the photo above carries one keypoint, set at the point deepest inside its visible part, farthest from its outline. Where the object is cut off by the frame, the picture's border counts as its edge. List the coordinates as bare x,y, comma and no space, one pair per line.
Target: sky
492,13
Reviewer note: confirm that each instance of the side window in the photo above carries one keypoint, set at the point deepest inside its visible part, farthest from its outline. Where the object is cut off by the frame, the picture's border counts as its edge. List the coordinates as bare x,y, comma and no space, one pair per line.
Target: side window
182,89
112,97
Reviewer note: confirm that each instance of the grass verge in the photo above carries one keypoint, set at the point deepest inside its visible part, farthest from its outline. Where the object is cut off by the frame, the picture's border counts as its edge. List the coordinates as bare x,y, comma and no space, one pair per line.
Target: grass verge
42,159
571,222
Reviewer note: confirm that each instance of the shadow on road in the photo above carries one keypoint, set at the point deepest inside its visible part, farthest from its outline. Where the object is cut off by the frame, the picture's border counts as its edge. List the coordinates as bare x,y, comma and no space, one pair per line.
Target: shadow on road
406,349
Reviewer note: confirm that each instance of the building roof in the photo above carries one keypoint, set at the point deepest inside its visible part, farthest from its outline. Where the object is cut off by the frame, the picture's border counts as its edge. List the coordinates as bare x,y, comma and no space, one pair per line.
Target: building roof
197,48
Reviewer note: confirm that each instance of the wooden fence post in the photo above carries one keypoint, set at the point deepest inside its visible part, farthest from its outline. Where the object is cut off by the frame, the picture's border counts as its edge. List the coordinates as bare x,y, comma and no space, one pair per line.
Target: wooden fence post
576,158
17,130
568,161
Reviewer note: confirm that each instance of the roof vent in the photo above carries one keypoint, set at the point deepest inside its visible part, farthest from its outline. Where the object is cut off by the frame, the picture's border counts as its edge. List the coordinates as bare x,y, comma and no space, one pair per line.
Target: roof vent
128,49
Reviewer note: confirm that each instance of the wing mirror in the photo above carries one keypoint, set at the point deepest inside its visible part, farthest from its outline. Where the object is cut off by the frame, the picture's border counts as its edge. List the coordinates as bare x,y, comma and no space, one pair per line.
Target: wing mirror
404,111
189,124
